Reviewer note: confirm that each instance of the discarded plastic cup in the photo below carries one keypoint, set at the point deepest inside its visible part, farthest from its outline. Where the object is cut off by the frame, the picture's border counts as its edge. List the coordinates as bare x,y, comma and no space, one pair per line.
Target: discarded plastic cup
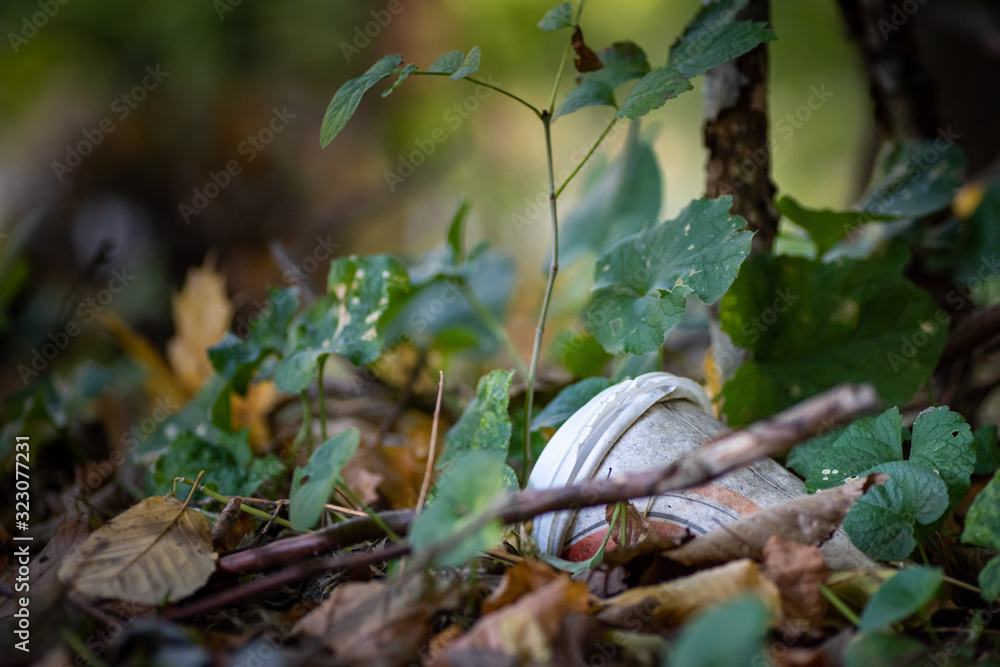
648,423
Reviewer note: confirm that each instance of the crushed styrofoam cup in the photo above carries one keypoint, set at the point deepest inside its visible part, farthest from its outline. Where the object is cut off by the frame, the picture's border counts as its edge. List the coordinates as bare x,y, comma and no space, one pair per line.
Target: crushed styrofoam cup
647,423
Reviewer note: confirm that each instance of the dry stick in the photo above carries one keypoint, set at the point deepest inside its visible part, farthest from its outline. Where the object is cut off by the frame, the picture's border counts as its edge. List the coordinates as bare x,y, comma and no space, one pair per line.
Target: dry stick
432,449
730,451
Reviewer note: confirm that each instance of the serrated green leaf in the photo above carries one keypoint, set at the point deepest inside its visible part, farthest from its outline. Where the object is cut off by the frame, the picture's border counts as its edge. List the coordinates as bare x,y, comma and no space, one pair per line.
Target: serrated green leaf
448,63
345,101
469,66
557,18
903,595
942,441
652,91
617,202
914,178
404,74
643,281
485,423
987,453
313,483
470,485
881,522
701,644
880,648
826,227
568,401
236,359
715,37
587,94
856,449
811,326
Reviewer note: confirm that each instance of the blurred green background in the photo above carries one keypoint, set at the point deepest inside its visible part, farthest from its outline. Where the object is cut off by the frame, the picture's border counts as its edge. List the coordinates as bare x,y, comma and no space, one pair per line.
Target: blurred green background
230,66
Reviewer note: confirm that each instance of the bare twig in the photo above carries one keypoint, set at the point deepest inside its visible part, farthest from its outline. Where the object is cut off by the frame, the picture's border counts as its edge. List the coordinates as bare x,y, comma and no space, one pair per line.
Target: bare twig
432,448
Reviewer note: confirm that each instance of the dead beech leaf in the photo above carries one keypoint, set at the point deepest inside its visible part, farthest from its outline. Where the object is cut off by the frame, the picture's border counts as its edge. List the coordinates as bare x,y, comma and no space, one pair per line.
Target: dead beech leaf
527,628
807,519
375,622
586,60
671,603
518,581
636,526
202,313
797,570
158,550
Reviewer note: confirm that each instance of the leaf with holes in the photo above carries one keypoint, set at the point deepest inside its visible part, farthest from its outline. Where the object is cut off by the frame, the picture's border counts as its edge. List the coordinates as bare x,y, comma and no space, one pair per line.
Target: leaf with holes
642,283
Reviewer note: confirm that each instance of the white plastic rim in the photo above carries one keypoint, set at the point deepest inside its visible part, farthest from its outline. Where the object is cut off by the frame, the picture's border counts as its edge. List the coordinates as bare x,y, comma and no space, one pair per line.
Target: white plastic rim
578,447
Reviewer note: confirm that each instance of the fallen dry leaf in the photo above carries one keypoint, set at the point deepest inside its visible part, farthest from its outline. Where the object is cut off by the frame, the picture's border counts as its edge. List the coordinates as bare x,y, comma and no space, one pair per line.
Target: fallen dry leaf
378,622
518,581
636,526
45,586
671,603
797,570
158,550
586,60
527,628
202,314
231,526
807,519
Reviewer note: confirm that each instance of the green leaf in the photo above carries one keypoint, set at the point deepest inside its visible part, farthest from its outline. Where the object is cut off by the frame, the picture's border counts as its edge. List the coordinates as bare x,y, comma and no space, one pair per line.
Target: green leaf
903,595
404,74
346,322
456,232
652,91
580,353
557,18
448,63
345,101
643,281
714,37
914,178
569,400
942,441
880,648
731,634
313,483
826,227
587,94
623,62
225,457
466,488
469,66
974,252
617,201
236,359
485,424
811,326
987,453
881,522
982,528
856,449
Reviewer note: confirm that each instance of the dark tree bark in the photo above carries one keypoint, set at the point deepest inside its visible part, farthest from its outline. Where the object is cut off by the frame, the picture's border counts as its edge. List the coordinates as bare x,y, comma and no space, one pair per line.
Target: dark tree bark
736,136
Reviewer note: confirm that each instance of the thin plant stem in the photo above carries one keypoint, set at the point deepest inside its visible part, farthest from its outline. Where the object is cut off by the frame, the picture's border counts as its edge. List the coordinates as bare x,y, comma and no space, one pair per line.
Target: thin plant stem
431,448
923,554
252,511
536,351
962,584
562,62
322,396
496,328
839,605
346,490
480,82
587,156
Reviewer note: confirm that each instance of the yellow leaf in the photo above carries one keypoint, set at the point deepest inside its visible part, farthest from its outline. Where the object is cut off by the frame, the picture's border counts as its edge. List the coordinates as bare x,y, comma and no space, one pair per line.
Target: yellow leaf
202,314
159,550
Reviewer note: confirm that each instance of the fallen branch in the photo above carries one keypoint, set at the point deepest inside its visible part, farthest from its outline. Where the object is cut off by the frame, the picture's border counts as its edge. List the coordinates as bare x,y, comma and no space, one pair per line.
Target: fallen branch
714,458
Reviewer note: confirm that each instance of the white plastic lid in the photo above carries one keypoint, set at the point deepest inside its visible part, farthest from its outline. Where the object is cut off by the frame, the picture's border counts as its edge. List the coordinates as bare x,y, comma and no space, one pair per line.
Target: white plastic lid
578,447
